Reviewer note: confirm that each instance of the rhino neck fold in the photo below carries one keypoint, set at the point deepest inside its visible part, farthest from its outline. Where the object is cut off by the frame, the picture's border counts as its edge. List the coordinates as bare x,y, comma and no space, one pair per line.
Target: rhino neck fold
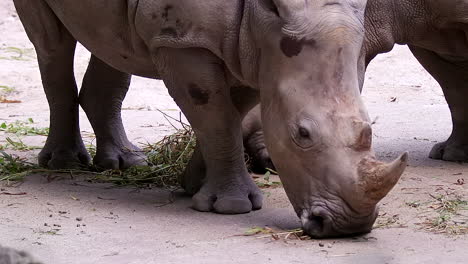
247,54
390,22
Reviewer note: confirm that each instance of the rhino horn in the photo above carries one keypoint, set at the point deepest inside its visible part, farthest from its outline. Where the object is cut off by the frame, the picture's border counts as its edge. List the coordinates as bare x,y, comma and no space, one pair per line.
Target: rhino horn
376,178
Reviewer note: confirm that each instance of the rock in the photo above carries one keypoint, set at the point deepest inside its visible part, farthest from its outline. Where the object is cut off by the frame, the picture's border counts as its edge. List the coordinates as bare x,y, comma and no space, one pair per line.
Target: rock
11,256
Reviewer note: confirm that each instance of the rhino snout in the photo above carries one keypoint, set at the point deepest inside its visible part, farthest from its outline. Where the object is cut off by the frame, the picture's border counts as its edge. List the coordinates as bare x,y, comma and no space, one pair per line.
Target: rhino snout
319,223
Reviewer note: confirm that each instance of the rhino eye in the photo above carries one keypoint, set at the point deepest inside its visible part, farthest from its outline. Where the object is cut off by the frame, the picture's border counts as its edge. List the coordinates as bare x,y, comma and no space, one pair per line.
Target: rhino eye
304,135
303,132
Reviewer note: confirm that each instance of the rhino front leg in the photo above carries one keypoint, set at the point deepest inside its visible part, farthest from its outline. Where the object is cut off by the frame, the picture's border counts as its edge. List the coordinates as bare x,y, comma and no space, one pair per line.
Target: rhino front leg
452,75
104,88
204,97
55,48
244,98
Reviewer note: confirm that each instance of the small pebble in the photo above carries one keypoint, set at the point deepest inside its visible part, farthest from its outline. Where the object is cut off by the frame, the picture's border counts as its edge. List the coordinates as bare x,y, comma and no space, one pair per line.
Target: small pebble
79,219
321,245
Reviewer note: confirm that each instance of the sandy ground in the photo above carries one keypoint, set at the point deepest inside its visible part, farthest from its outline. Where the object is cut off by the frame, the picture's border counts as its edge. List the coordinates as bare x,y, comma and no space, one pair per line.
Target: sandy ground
71,221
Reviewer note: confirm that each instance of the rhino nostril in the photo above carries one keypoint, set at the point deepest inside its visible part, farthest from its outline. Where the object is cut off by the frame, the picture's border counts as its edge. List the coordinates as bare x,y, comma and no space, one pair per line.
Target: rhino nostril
316,224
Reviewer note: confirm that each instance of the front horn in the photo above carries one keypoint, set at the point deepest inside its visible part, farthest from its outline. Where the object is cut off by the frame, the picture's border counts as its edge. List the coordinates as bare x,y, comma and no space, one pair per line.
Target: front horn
376,178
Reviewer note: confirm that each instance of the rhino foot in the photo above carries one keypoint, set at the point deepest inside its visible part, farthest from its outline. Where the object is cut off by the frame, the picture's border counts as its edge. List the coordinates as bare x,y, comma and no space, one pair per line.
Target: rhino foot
62,157
450,151
112,157
229,198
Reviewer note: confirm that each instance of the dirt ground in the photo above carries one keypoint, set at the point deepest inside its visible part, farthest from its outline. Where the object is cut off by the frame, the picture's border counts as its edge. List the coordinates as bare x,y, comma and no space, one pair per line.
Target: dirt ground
73,221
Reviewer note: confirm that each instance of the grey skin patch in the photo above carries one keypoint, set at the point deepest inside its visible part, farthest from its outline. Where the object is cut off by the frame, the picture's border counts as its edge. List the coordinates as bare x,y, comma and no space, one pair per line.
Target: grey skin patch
165,13
338,74
199,96
292,47
174,26
169,31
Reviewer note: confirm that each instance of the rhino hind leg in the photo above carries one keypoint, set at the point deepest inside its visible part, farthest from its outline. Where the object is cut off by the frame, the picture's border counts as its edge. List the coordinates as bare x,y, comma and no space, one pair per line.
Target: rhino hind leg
204,96
452,75
103,90
55,48
259,158
254,142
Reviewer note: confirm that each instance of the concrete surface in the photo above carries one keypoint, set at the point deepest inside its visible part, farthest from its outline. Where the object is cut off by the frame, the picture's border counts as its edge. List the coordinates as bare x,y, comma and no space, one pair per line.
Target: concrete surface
72,221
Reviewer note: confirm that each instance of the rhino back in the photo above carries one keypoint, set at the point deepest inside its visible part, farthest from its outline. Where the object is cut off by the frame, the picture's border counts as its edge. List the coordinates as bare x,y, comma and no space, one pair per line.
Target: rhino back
213,25
125,33
106,28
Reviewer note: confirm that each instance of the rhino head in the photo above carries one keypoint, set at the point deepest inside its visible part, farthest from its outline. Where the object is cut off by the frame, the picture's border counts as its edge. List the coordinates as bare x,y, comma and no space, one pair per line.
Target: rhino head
316,126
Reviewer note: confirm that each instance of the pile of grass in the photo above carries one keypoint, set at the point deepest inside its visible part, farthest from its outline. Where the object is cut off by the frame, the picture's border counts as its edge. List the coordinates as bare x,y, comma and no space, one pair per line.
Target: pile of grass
166,159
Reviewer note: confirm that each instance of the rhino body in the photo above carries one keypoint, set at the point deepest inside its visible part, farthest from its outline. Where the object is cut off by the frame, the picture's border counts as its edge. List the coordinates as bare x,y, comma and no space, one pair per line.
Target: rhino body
304,61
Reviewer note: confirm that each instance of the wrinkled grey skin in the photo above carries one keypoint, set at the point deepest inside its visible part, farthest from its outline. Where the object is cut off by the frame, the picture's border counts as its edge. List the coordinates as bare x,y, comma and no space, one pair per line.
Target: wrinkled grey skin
11,256
218,59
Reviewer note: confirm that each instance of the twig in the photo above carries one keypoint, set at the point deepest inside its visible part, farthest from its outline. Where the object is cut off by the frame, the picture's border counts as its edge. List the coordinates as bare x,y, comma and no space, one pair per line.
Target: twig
170,117
8,193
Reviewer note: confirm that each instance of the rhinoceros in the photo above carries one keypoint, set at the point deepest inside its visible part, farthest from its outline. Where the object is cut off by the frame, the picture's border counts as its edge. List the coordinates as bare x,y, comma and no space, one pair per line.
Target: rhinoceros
438,38
301,59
